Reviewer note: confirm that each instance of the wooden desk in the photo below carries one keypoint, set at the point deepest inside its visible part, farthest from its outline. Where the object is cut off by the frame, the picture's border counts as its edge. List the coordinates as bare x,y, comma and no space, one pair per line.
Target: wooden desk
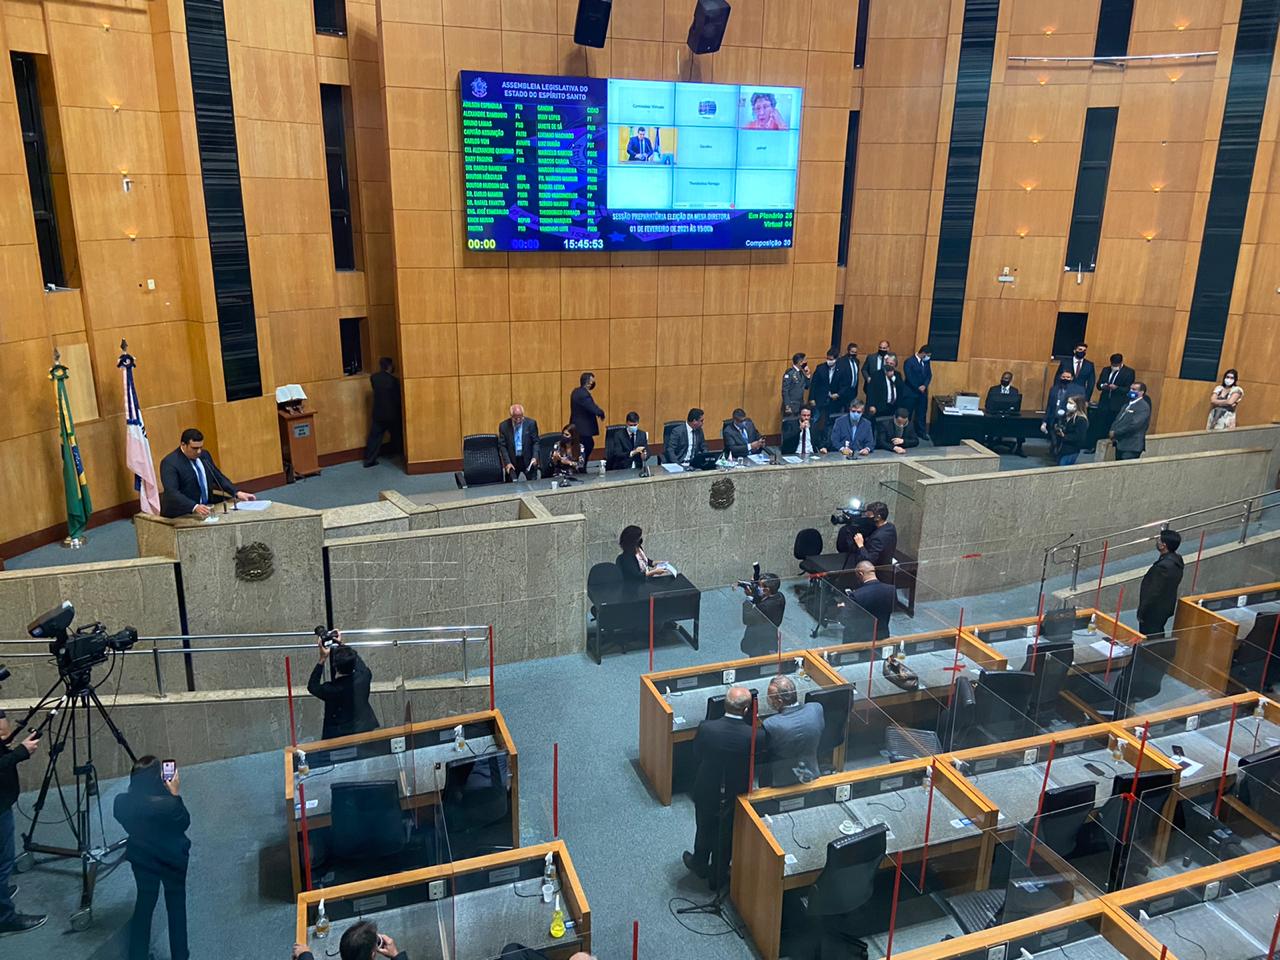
1207,639
761,873
374,756
670,719
1093,924
1009,639
480,906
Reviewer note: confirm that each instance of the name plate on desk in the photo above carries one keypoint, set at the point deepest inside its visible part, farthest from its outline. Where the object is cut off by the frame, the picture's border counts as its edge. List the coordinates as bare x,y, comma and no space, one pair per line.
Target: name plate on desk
369,904
1073,746
343,754
790,803
984,766
302,429
505,875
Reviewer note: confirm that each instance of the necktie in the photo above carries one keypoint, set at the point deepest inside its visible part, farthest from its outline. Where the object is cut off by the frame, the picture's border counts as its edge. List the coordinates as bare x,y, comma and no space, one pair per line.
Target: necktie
1004,390
892,393
204,484
1077,367
804,441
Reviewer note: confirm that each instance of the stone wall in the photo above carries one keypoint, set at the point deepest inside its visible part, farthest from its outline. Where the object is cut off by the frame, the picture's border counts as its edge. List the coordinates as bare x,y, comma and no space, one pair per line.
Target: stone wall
1010,518
364,519
1208,441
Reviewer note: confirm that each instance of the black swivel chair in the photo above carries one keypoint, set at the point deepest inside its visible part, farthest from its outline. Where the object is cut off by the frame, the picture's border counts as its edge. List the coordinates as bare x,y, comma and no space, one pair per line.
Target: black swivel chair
1050,662
715,708
1139,679
604,586
1118,830
1250,665
367,823
1003,705
1209,840
845,885
667,427
612,431
481,462
1258,784
476,802
837,704
546,443
807,546
952,733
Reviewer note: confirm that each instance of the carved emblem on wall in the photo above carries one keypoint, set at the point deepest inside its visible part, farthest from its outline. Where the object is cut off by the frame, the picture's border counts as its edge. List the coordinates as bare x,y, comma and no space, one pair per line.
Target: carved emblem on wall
722,494
254,562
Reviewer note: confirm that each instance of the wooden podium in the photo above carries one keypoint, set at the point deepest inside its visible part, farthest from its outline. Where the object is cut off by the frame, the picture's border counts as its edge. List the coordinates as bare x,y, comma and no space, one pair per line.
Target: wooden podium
298,443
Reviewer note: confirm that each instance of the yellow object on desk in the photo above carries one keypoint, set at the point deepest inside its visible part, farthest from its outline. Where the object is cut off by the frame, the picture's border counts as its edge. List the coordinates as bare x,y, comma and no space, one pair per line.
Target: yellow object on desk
557,921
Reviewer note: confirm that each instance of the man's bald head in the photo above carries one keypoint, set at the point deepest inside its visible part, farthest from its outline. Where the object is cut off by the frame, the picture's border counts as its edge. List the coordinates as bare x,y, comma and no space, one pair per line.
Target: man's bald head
737,700
517,410
782,691
865,570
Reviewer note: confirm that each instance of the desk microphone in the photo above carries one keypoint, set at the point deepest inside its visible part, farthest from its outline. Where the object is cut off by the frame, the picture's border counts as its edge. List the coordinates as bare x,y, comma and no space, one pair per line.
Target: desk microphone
212,473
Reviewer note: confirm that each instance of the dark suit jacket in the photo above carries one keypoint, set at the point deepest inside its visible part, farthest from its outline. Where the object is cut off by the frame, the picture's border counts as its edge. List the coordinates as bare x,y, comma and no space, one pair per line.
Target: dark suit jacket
617,452
1087,376
791,437
386,397
1119,397
1058,399
874,598
1158,595
629,566
507,440
845,377
732,437
879,547
886,430
917,373
182,486
878,394
10,757
583,412
346,700
762,620
1075,434
723,750
820,388
995,392
639,148
156,822
873,364
1130,426
677,449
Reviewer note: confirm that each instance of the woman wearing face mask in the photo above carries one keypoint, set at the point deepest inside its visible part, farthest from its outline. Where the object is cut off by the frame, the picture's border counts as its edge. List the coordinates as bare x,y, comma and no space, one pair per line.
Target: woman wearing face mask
566,455
1072,432
1222,404
632,561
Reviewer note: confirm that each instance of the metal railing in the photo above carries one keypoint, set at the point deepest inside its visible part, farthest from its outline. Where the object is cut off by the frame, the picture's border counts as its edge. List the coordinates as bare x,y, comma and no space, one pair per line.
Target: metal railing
377,637
1118,61
1244,511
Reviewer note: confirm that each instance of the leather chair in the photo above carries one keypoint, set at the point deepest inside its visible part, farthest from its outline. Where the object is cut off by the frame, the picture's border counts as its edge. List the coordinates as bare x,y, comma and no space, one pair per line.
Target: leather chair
481,462
666,435
952,732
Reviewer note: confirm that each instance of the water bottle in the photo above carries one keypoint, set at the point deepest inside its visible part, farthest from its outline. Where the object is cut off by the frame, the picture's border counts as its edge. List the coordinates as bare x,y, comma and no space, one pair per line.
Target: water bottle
322,923
1093,623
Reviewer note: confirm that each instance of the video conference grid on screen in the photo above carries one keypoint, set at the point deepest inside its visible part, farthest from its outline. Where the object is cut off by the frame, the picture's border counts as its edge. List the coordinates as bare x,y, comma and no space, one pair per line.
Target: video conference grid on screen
578,163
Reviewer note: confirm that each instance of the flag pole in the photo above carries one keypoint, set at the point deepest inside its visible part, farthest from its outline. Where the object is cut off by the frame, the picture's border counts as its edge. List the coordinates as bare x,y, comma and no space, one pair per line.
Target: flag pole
74,481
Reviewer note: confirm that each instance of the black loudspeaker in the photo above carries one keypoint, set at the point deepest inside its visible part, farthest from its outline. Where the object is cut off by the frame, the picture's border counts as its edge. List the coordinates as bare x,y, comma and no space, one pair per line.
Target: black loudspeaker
706,33
593,22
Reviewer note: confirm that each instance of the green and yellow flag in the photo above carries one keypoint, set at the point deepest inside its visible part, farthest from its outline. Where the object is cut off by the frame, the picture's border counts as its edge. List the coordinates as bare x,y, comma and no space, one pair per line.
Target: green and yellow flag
76,484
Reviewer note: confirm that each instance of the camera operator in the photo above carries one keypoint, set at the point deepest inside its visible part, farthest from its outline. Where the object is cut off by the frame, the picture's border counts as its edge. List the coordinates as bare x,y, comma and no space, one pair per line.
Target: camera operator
362,941
876,547
346,696
11,921
762,613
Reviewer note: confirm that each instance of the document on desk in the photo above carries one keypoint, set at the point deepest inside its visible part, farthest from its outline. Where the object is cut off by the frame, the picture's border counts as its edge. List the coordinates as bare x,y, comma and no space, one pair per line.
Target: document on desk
668,567
791,459
254,505
762,458
673,468
1105,648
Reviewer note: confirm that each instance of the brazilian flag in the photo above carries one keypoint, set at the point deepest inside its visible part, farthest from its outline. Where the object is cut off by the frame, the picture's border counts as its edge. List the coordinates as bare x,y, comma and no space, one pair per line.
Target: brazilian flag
76,484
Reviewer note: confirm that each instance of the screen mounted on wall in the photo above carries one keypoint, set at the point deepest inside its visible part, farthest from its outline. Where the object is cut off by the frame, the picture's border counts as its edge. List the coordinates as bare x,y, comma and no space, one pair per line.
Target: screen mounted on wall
578,163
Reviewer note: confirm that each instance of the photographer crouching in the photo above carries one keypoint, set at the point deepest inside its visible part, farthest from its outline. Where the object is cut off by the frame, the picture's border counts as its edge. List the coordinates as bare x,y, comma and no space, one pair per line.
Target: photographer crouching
346,696
762,612
11,921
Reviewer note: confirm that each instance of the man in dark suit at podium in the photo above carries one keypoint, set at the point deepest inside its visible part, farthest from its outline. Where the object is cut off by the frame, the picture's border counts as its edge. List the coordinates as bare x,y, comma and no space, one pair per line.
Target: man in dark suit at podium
386,412
190,479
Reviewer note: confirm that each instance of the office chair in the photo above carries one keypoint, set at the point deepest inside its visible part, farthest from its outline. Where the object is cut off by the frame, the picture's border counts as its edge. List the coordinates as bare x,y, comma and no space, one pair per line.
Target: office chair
1250,665
1017,899
604,585
715,707
476,803
845,885
546,443
666,436
1051,665
1258,783
1117,830
1003,705
808,545
837,704
952,733
1139,679
1058,624
367,821
481,463
1212,841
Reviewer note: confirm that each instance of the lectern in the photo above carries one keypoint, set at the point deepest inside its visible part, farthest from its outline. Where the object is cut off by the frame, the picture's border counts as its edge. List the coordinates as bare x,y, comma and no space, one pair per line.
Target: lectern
297,433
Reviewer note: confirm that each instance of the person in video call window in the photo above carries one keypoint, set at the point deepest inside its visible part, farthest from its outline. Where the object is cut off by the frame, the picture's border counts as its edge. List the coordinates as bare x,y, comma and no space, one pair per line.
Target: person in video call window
640,147
764,108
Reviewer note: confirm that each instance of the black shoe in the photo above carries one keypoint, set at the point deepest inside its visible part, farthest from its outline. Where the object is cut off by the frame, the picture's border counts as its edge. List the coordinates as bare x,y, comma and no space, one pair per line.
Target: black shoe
22,923
374,464
692,865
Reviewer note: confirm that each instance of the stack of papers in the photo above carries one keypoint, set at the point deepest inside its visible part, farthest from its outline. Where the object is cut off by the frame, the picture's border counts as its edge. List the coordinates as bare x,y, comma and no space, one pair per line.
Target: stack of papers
760,458
964,413
673,468
253,505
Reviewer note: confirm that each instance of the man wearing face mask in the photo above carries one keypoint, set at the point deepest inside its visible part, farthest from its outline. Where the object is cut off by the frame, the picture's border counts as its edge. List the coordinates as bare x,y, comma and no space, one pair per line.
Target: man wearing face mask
875,363
627,449
853,433
1081,370
1113,390
1072,432
918,372
886,390
1004,388
845,377
1055,409
824,397
794,383
1129,428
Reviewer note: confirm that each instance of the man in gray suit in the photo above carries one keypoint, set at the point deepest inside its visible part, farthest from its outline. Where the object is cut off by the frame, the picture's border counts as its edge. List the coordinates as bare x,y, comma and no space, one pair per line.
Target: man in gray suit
740,436
794,732
1129,428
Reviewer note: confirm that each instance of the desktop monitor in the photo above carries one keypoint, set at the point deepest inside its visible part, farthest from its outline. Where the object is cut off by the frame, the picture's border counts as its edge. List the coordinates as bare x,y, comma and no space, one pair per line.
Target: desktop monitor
967,401
1004,405
1058,624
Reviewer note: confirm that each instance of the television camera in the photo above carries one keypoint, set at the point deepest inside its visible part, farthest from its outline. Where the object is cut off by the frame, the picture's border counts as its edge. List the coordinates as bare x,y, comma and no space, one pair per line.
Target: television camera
852,516
79,652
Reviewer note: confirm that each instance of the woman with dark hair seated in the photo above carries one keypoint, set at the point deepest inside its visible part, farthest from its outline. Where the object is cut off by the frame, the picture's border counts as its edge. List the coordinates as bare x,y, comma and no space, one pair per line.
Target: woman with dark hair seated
567,456
632,561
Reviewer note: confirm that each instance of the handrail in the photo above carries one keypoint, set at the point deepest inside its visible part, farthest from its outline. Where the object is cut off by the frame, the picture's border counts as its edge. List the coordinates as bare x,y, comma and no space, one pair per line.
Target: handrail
1118,61
1250,509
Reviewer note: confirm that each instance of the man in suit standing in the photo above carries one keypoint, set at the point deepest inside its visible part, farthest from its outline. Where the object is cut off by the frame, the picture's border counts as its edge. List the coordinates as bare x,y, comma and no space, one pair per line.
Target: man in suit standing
518,444
722,748
640,147
686,442
794,383
853,434
868,617
885,389
896,435
189,477
585,414
1081,370
346,696
878,547
1113,389
824,392
627,449
762,614
794,730
386,413
740,436
876,362
1129,428
918,372
1055,410
845,376
800,438
1158,595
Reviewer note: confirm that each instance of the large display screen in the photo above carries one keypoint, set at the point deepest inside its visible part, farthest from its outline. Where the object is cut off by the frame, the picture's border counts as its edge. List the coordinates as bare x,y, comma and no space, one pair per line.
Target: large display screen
578,163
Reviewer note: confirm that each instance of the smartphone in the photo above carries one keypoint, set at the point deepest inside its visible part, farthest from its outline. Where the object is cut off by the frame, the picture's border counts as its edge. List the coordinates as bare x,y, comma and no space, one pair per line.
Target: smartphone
168,770
1177,751
1096,770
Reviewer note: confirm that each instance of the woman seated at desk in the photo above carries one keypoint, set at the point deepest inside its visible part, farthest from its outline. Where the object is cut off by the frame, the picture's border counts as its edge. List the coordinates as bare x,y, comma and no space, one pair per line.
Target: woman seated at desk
566,455
632,561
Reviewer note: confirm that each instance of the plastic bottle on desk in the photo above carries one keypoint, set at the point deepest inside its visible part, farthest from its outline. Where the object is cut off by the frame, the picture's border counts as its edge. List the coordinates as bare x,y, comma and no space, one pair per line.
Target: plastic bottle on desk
322,922
1093,623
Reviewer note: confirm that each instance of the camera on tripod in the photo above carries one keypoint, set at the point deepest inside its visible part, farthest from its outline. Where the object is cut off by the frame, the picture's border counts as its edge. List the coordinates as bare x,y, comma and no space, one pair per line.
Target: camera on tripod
327,637
852,516
79,652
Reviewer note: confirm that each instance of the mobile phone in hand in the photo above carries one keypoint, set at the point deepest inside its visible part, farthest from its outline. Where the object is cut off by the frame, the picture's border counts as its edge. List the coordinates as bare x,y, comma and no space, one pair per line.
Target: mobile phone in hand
1177,751
168,770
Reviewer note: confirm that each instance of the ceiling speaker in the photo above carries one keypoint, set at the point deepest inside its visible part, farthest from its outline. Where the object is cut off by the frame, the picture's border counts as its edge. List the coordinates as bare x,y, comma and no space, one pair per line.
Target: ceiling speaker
592,25
706,33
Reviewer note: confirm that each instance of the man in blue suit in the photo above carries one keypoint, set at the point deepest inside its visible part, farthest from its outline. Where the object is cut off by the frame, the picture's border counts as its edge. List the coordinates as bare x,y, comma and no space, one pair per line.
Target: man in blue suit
919,374
1081,370
853,434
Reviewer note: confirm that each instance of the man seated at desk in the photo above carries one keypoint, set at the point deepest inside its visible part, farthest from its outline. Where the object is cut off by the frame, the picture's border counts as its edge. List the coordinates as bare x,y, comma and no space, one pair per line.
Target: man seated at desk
869,619
853,433
896,435
723,751
800,437
686,441
627,449
346,696
740,436
188,475
361,942
762,614
794,730
1004,388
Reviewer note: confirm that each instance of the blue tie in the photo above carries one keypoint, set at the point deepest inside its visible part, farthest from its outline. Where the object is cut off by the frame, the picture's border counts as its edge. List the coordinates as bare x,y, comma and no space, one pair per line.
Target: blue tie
204,485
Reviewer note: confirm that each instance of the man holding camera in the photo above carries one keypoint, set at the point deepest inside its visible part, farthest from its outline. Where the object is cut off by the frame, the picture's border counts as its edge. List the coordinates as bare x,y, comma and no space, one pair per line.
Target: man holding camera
11,921
876,546
346,696
762,613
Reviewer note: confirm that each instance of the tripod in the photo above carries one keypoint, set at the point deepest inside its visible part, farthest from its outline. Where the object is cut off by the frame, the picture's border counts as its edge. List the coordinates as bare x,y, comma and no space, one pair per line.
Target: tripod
74,711
720,871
